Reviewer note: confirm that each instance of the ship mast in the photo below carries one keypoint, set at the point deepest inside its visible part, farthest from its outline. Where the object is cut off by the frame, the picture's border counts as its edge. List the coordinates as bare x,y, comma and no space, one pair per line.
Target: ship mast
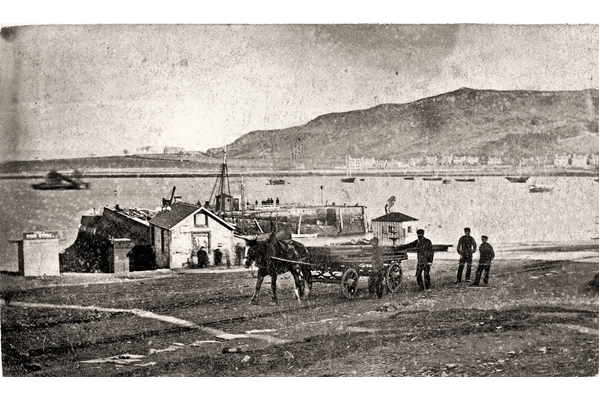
221,187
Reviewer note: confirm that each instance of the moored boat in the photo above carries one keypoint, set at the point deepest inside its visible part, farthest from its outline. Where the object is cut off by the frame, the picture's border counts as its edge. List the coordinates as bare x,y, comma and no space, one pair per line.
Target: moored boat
517,179
539,188
57,181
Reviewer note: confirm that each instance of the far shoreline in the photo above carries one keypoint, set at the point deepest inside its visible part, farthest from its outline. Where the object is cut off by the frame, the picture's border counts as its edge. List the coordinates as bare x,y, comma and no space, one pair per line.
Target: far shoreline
271,174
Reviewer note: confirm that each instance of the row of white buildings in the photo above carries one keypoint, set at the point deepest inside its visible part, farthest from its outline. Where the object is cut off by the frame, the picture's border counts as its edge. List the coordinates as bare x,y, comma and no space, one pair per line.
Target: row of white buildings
586,161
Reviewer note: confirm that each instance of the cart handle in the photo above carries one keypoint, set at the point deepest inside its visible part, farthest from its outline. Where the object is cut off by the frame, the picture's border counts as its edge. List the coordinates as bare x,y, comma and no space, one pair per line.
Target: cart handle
290,261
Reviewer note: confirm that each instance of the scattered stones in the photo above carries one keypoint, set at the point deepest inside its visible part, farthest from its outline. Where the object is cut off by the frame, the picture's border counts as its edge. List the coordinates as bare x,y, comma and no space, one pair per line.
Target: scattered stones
31,367
172,347
265,358
120,359
389,306
288,356
246,359
199,343
259,331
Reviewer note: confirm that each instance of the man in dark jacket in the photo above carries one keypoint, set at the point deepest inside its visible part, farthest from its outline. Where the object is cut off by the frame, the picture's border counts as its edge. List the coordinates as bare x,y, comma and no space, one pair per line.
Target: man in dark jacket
486,255
202,258
424,258
466,247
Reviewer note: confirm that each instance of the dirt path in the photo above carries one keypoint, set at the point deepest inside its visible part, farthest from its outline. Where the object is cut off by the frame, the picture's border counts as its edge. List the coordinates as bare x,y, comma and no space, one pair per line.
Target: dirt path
180,323
147,314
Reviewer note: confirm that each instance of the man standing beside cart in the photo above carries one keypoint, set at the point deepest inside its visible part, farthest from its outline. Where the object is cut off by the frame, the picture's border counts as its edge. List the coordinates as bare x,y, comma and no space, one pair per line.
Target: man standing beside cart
424,258
376,274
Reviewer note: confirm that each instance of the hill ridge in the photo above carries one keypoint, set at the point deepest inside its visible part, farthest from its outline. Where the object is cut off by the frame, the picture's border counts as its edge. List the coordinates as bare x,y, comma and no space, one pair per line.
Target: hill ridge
466,121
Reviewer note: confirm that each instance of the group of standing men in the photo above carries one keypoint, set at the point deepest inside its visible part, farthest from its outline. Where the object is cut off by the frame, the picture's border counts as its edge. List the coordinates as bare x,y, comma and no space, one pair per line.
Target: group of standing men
218,256
466,247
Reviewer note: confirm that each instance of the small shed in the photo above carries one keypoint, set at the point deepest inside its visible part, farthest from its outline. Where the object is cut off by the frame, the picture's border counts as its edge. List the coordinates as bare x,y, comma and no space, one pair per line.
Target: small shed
177,233
393,228
223,202
38,254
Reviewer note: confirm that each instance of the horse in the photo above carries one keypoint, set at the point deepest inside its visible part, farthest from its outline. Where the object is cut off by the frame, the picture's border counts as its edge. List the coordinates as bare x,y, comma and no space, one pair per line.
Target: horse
269,253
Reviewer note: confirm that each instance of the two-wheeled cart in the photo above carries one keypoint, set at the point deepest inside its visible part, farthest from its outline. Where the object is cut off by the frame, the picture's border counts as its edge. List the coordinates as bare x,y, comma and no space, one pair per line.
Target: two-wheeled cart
345,264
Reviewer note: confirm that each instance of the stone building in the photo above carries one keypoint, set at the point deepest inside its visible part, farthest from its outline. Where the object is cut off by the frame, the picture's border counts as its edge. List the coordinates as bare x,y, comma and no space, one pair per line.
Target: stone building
178,233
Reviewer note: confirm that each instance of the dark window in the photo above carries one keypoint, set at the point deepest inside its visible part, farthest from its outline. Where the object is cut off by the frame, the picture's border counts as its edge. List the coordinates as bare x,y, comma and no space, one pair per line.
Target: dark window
391,229
162,240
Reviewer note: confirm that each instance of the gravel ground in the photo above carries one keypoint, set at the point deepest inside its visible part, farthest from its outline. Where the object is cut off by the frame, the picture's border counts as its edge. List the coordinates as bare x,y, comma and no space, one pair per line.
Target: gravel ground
538,318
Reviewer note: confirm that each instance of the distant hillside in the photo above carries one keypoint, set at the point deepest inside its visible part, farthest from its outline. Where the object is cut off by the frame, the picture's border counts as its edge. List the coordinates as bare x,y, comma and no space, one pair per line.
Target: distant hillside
489,123
149,161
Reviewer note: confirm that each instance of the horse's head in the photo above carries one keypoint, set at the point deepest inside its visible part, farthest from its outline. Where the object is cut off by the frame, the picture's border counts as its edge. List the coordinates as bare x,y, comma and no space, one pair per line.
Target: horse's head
251,254
260,248
255,248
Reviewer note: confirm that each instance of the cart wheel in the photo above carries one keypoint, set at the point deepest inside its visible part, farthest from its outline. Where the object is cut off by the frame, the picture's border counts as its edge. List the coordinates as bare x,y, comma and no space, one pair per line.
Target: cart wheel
393,277
349,283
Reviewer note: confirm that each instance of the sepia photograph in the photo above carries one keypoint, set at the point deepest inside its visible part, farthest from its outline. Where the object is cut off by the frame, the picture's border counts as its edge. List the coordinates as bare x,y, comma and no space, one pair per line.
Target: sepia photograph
330,198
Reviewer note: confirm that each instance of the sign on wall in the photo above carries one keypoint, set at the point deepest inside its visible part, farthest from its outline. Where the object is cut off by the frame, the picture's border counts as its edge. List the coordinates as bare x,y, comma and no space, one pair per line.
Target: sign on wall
40,235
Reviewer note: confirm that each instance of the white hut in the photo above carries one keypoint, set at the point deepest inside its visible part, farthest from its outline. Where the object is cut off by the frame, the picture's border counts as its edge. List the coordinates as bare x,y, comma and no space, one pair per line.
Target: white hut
393,227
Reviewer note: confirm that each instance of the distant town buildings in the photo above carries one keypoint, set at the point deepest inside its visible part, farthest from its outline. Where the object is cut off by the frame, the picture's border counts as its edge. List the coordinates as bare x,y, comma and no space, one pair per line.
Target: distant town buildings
584,161
180,151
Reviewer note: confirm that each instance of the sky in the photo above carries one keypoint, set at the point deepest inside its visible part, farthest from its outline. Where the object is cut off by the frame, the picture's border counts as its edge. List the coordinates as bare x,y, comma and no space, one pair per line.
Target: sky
71,89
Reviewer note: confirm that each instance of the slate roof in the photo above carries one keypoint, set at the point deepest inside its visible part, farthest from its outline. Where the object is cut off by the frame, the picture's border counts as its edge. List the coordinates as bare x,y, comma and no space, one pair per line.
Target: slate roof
180,211
395,217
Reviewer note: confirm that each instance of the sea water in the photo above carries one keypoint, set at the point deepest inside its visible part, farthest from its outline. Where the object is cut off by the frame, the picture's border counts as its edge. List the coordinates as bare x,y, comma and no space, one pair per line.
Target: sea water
506,212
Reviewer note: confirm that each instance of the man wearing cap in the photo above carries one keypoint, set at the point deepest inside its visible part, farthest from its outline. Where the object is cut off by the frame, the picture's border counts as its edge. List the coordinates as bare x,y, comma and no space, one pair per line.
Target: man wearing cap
486,255
424,258
376,275
466,247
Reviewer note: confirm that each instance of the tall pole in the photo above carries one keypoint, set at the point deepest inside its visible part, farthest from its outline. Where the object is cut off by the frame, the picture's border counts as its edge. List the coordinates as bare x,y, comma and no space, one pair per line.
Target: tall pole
1,341
321,194
221,185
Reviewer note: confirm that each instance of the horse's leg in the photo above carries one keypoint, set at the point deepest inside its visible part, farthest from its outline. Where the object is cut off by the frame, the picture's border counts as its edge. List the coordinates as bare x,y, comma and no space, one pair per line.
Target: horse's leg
274,286
306,274
259,280
298,284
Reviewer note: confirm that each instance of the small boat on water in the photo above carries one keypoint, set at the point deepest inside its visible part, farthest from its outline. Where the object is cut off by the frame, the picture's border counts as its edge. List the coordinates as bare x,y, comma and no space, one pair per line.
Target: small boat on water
276,182
304,235
465,179
57,181
409,178
432,179
517,179
447,181
349,178
539,188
